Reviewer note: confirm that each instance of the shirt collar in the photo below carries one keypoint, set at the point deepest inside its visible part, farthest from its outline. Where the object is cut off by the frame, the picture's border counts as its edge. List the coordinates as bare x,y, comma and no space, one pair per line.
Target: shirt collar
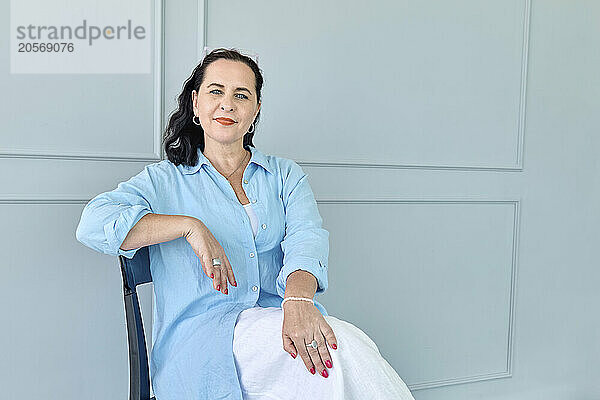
257,157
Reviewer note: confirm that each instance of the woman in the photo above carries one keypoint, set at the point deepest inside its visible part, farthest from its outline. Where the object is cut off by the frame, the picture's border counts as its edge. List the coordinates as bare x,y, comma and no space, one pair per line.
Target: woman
237,254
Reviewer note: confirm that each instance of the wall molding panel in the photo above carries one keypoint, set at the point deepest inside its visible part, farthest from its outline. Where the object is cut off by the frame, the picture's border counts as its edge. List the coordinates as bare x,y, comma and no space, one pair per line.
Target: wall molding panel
158,109
516,167
510,323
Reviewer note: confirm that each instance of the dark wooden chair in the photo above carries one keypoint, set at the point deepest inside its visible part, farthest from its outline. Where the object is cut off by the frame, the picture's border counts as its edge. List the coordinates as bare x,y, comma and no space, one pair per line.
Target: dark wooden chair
136,271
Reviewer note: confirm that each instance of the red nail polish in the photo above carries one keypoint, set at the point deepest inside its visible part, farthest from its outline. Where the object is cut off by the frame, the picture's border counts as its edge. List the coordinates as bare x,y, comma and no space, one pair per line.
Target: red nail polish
226,291
293,355
218,287
334,346
328,363
212,275
234,283
312,370
324,373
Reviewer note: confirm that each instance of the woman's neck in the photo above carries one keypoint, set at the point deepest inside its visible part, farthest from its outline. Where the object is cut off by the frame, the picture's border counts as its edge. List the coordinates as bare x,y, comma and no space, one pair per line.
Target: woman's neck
228,160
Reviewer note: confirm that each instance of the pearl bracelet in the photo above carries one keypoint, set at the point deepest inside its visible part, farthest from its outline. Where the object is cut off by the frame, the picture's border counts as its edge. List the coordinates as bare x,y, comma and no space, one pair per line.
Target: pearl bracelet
297,298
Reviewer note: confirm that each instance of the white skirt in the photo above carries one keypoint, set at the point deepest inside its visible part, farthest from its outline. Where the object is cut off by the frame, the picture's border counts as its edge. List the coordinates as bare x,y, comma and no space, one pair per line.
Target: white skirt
268,372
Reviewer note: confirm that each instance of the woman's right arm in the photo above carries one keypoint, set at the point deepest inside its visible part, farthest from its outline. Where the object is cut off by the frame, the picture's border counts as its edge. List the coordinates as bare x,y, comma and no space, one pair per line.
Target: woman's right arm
121,221
157,228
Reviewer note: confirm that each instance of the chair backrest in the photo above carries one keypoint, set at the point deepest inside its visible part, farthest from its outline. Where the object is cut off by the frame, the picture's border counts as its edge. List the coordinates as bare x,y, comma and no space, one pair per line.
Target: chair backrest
136,271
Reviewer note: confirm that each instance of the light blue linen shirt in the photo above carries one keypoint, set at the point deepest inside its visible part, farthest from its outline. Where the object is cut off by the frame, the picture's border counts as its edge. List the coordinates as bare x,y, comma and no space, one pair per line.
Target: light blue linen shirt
192,335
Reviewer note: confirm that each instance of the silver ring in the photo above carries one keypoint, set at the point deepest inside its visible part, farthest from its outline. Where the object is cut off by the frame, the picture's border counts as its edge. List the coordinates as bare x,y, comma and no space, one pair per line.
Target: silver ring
216,262
313,344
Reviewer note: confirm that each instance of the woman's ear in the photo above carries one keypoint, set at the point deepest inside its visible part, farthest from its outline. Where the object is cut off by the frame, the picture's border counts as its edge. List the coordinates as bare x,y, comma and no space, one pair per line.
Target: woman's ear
194,99
257,111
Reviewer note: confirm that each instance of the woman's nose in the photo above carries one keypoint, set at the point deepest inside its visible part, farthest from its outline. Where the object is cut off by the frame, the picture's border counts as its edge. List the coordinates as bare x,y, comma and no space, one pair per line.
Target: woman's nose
226,108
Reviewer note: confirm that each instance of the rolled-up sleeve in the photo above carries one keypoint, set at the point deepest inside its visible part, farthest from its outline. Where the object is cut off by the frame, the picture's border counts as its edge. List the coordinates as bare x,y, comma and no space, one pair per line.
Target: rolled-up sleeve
305,245
107,218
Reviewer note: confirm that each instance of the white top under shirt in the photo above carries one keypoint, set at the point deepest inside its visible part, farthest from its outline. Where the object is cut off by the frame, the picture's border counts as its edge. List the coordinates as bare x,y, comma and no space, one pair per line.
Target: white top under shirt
253,218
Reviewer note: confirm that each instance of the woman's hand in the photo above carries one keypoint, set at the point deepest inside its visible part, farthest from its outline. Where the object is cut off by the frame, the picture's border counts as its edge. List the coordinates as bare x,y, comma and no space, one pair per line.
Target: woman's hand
206,248
303,322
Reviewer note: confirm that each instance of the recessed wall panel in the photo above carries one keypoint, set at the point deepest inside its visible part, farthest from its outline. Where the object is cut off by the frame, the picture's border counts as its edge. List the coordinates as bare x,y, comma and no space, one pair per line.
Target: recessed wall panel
429,282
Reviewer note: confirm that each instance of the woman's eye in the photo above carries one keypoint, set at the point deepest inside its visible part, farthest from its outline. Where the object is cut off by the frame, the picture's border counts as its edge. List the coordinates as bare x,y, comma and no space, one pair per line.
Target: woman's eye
241,94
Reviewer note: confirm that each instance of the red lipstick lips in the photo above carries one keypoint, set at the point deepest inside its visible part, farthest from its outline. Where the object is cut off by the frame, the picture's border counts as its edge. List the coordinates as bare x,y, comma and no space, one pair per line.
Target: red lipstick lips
225,121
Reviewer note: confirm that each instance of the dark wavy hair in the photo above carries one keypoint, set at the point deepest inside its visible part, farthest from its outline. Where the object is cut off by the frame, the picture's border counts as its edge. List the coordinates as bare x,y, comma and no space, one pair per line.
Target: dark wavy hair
182,137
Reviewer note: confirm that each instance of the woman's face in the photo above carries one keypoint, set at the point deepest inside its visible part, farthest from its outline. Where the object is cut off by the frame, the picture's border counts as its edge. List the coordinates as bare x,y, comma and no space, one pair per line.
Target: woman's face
227,91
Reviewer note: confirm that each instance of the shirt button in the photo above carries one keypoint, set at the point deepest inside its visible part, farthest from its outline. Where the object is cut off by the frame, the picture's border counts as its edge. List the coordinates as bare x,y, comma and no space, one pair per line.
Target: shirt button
245,180
251,254
264,226
255,288
254,201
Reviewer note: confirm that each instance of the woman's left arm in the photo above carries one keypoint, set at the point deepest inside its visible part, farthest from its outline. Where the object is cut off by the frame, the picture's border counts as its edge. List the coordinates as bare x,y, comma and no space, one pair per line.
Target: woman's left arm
306,249
305,245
